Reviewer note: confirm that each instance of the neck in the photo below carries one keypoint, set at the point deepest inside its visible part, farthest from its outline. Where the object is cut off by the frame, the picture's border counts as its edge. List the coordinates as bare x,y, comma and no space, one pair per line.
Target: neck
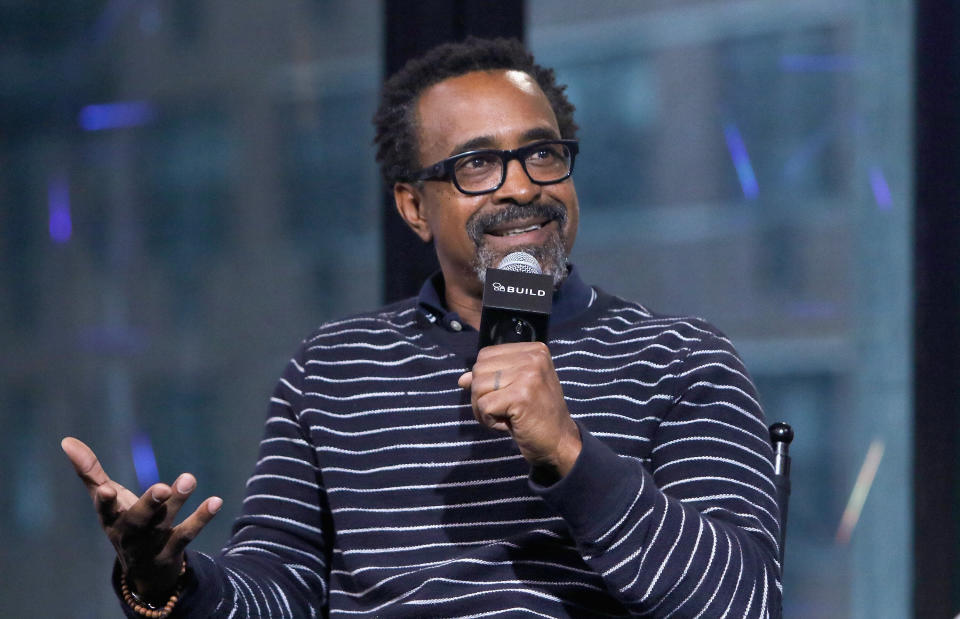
468,304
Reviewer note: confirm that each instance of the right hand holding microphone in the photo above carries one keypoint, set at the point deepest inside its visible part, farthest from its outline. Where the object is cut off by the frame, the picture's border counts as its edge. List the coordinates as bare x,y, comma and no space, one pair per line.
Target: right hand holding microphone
149,548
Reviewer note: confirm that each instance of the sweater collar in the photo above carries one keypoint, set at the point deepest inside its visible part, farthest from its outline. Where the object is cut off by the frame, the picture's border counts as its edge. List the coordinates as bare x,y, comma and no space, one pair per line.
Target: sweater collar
572,297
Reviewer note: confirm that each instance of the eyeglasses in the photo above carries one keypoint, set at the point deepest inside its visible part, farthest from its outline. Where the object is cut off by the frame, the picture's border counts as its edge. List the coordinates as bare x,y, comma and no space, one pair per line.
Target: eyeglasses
483,171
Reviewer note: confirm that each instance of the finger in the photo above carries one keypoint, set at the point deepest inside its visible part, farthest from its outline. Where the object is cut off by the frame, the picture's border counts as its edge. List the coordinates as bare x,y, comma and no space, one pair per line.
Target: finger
186,531
85,463
149,509
181,490
492,410
493,354
465,380
105,502
488,381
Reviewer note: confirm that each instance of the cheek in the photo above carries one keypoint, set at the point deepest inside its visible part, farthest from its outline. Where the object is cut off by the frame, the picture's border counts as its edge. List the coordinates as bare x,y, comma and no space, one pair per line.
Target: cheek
569,198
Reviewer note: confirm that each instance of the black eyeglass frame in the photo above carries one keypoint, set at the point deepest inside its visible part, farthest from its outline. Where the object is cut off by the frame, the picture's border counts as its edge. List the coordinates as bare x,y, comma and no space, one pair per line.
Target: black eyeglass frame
443,170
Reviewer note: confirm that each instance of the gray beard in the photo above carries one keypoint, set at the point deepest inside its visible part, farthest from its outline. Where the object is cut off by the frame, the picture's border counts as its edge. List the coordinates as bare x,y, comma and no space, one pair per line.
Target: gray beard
552,255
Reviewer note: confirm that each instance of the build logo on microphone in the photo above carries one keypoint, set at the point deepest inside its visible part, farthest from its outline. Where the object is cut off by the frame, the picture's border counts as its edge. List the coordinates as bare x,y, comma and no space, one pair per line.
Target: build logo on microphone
519,290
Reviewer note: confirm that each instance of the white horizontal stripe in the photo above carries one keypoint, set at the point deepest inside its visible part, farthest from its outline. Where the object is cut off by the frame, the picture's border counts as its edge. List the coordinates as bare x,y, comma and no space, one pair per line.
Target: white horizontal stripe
423,426
276,419
449,525
380,411
453,484
282,499
376,319
289,521
761,438
509,562
643,362
711,439
625,398
384,378
361,452
629,437
287,384
380,394
445,506
765,478
294,480
486,542
377,362
632,353
285,439
420,465
646,419
404,342
287,459
619,381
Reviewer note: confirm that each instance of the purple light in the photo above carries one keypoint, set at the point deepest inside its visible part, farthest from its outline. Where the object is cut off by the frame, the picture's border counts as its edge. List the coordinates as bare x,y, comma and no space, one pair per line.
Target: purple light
881,191
113,340
814,63
144,462
119,115
741,161
58,207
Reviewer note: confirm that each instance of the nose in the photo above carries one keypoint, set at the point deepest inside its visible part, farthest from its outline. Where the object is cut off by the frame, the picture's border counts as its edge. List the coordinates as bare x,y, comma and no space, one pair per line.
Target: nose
517,186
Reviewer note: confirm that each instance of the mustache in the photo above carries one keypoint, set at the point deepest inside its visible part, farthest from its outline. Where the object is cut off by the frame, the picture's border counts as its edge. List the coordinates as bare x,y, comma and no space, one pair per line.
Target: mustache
481,221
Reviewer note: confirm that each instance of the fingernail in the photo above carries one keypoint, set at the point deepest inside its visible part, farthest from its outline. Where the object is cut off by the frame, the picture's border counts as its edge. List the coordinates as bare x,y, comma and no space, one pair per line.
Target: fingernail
215,504
185,485
156,499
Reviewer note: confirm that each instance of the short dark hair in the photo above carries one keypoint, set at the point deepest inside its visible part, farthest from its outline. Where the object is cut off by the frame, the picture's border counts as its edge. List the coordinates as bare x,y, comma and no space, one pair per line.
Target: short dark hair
395,120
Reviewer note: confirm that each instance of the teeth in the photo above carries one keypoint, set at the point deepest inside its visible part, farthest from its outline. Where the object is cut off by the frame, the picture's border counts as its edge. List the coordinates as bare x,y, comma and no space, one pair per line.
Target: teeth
522,230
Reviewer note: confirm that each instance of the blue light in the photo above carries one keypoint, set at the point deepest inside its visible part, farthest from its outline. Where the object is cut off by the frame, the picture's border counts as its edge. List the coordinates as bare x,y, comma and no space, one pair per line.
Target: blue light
144,461
741,161
58,207
881,191
119,115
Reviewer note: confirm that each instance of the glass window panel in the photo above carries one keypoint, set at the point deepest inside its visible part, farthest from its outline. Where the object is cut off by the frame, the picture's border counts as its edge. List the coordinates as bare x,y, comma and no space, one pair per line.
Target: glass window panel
186,190
748,162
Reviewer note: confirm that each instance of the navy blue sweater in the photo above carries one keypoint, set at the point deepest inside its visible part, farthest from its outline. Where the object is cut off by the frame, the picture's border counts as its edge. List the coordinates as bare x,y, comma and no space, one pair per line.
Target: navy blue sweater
377,493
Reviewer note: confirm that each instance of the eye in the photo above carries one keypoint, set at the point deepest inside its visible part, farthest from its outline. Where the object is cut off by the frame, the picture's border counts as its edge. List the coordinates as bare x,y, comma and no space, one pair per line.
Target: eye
475,163
480,163
546,154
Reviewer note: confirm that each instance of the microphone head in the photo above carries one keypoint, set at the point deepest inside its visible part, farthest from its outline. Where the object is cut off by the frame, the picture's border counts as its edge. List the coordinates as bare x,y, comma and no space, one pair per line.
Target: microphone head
522,262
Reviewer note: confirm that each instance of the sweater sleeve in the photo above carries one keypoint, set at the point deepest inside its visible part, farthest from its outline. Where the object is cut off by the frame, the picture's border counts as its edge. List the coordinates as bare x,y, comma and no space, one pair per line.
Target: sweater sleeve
697,536
277,561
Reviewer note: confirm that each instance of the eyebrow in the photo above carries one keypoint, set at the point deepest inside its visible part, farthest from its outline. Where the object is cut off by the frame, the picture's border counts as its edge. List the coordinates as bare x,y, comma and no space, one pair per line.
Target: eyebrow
488,141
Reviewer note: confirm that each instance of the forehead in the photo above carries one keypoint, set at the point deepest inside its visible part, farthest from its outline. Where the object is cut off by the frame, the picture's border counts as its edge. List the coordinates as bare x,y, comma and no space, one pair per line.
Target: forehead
492,109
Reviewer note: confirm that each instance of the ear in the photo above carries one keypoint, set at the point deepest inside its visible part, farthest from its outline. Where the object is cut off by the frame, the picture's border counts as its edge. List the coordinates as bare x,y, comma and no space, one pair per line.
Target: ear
410,205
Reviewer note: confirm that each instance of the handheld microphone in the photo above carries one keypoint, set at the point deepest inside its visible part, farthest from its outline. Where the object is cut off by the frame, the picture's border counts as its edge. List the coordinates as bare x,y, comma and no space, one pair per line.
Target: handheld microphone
517,299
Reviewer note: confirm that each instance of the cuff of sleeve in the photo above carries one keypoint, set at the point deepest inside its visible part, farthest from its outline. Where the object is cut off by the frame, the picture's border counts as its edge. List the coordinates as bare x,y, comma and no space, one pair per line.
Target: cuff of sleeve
200,593
597,490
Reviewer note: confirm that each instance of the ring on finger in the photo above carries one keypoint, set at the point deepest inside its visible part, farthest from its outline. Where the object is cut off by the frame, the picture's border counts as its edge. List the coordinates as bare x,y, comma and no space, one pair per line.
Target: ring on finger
496,380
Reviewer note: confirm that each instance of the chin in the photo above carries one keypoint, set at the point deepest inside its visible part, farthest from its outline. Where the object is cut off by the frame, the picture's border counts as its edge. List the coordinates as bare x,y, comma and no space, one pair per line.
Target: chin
551,255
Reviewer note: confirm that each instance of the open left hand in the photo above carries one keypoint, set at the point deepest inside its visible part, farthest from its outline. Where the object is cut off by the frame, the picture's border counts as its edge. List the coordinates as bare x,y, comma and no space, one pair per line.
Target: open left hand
515,388
149,547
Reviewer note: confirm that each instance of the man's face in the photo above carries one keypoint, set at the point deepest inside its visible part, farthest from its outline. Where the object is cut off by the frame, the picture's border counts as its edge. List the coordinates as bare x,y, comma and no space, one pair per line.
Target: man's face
502,110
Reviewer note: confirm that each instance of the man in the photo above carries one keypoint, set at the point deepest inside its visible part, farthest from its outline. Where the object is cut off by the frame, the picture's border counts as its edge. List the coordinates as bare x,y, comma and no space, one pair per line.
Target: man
624,470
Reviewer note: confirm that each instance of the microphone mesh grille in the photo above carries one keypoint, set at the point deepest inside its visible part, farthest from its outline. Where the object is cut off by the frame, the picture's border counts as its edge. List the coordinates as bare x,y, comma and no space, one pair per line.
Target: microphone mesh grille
521,262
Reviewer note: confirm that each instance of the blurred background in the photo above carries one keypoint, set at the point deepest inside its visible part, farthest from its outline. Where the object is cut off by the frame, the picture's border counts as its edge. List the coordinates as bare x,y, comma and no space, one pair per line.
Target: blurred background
188,187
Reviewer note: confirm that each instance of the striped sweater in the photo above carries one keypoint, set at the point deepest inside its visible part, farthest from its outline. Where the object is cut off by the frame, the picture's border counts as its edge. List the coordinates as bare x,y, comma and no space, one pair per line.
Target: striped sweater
376,493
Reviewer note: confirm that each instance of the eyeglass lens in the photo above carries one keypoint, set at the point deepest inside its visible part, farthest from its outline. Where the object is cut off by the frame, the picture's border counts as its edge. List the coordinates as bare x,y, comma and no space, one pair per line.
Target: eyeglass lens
482,171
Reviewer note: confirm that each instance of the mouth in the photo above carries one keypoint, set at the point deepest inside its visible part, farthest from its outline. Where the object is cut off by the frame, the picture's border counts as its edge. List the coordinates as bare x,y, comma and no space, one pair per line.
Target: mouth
516,224
515,228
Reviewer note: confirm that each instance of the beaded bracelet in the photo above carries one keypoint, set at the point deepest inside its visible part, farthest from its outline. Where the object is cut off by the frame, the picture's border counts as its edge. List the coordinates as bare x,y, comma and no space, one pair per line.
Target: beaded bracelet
144,608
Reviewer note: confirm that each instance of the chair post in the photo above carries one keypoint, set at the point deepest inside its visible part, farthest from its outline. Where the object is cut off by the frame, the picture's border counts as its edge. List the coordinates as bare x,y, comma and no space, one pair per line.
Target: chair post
781,435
